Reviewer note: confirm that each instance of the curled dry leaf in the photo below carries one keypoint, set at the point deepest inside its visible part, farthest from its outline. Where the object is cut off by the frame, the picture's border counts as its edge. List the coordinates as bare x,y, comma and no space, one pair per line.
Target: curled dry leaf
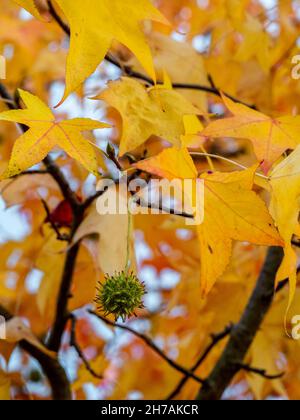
16,331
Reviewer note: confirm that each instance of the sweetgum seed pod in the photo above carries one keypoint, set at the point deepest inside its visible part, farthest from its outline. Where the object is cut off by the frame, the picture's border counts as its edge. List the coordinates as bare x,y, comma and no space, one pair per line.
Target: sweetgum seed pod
121,295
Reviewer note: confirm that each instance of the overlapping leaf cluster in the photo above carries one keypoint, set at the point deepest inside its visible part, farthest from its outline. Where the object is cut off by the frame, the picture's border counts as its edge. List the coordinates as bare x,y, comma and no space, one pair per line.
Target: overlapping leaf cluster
228,116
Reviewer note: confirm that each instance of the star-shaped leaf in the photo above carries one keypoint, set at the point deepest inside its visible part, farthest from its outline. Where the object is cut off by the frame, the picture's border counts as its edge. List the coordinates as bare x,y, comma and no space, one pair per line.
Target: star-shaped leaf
45,133
270,136
30,6
96,24
284,206
158,111
232,211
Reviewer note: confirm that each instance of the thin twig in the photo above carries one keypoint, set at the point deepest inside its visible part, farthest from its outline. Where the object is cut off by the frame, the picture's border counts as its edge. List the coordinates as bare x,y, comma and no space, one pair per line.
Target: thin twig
33,172
58,19
260,372
140,202
296,243
6,97
74,343
152,345
216,338
232,162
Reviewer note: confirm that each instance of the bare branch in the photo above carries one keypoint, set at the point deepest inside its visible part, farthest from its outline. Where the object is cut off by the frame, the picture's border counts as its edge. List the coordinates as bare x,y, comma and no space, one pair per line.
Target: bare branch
216,338
163,209
59,383
243,333
33,172
260,372
152,345
80,353
62,314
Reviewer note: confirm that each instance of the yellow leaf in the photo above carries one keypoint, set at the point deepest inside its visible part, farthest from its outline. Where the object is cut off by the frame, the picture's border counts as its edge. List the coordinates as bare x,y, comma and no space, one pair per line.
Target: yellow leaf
232,211
157,112
30,6
94,29
18,190
255,44
17,331
112,230
270,137
284,207
170,163
45,133
4,386
264,352
193,127
181,62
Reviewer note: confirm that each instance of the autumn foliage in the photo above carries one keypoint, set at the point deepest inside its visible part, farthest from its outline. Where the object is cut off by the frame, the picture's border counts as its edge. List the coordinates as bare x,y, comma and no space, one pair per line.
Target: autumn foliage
141,305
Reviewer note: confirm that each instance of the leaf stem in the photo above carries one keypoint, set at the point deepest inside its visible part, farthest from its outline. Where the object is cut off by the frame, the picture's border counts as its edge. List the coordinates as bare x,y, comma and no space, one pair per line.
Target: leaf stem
232,162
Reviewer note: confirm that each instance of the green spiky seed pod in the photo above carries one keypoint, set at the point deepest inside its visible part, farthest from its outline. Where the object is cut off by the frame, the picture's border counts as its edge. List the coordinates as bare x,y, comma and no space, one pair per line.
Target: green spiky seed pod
120,295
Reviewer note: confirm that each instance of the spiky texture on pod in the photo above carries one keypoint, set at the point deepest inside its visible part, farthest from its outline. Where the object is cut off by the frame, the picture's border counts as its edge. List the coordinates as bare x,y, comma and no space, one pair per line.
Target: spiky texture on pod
121,295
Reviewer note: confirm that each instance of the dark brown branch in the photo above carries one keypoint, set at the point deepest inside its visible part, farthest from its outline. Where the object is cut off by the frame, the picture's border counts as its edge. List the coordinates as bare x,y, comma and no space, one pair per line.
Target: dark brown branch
282,285
296,243
80,353
62,314
216,338
59,383
58,19
244,332
140,202
9,101
152,345
33,172
260,372
61,180
127,70
89,201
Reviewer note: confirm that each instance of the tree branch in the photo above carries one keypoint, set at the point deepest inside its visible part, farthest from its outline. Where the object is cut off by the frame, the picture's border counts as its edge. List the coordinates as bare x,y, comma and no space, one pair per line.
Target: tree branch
62,314
59,383
260,372
152,345
61,180
160,207
245,331
216,338
76,346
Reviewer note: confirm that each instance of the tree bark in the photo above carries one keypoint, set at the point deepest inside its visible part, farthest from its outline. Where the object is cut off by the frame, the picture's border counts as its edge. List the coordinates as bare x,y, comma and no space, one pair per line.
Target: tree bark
244,332
58,381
